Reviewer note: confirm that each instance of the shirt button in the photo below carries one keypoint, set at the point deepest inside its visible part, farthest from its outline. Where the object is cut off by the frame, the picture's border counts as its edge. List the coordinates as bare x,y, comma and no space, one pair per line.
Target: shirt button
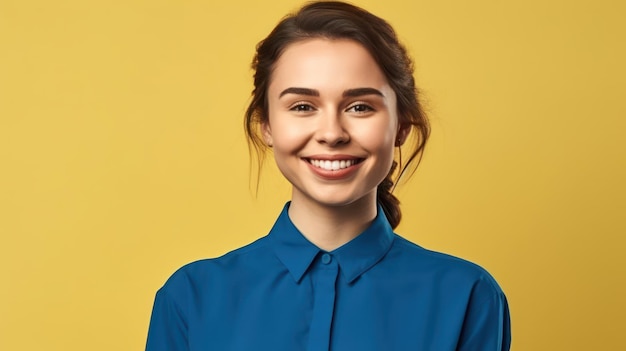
326,258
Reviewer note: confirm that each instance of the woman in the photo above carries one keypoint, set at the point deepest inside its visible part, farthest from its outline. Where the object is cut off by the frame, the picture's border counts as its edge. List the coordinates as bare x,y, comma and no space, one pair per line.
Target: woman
334,97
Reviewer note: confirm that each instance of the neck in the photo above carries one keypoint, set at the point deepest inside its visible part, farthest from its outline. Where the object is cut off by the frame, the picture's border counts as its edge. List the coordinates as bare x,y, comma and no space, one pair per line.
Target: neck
329,227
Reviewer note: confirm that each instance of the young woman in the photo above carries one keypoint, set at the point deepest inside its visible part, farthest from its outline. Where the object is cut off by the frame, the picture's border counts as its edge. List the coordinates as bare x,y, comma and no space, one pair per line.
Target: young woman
334,97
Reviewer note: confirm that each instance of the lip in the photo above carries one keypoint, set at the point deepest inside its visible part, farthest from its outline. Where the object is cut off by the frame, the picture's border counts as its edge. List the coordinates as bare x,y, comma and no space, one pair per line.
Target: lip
334,175
332,157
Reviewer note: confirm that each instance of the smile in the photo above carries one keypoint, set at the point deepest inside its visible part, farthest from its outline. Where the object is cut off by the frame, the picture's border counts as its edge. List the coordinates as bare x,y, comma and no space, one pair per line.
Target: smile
333,165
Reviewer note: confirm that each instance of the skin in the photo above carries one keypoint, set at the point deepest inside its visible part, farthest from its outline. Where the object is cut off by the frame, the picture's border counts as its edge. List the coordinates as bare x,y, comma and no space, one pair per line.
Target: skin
328,99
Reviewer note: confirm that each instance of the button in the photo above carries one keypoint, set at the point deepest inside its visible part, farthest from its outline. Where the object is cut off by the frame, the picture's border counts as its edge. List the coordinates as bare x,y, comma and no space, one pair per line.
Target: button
326,258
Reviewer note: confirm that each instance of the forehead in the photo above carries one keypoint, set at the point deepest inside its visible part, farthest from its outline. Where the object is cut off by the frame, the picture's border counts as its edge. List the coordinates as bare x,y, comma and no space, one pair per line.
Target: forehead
325,64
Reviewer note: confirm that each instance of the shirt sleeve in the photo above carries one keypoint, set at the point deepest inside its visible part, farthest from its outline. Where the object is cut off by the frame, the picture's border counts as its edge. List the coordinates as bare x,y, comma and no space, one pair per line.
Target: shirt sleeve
168,328
487,325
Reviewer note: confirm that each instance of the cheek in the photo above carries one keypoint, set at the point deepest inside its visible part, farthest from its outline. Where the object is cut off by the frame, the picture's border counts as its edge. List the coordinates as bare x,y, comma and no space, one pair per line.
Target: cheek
378,136
289,137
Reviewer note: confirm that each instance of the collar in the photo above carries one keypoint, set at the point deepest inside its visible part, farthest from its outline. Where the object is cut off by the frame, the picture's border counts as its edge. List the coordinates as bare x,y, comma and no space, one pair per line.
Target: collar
354,257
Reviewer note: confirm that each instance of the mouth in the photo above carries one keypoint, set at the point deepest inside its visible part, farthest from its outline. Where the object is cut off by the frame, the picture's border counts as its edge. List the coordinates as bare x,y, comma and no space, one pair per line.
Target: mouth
334,165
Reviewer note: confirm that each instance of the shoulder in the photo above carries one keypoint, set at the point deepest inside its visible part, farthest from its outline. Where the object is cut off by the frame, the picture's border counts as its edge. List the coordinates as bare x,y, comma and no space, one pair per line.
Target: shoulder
204,272
449,271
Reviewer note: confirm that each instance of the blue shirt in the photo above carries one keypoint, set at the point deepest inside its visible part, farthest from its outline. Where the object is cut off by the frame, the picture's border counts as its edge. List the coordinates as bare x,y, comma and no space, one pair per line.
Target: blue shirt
377,292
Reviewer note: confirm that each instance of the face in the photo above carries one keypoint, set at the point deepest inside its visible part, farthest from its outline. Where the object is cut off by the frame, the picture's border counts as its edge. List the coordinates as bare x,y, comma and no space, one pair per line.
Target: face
333,122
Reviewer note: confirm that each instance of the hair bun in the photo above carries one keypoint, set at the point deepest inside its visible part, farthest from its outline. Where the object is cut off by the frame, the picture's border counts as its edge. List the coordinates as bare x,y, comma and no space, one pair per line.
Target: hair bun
388,201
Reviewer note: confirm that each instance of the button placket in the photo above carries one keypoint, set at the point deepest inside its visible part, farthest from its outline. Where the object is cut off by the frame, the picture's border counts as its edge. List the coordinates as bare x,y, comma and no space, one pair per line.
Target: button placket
323,304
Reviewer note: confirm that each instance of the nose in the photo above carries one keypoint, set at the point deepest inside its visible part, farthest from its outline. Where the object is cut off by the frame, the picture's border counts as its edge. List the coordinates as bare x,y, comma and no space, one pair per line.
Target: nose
331,130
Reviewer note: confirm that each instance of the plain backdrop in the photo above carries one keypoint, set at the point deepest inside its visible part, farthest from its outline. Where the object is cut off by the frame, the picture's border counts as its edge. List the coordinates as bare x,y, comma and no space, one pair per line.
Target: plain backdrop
122,157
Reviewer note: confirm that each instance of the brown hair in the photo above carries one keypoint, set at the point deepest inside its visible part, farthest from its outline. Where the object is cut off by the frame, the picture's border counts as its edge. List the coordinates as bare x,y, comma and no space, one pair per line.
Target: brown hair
339,20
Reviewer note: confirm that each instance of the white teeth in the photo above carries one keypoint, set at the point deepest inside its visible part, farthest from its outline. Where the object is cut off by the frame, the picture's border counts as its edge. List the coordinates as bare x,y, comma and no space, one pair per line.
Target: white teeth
334,165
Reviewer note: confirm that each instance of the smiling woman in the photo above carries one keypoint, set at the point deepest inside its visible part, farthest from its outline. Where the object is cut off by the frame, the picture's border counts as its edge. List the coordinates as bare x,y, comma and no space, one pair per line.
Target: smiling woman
334,97
328,102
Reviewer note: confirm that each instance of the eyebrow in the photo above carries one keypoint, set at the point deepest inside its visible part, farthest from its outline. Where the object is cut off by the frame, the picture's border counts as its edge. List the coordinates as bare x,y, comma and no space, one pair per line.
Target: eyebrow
361,92
299,91
348,93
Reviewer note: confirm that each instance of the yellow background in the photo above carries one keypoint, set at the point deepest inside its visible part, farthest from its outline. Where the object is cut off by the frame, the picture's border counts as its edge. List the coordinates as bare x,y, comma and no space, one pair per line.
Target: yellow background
122,158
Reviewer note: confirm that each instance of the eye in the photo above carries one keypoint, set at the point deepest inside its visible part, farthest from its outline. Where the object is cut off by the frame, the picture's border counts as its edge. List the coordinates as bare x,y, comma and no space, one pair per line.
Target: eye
302,107
360,108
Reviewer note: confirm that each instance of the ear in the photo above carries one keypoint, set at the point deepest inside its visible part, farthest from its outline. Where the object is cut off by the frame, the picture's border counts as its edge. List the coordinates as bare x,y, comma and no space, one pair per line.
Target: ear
403,133
266,130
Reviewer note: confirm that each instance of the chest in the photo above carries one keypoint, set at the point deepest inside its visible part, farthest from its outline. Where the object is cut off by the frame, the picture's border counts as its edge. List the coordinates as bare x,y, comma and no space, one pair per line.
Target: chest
324,312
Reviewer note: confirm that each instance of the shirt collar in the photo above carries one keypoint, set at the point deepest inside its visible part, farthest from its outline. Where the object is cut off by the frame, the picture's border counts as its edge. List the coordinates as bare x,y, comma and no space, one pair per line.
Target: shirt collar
354,257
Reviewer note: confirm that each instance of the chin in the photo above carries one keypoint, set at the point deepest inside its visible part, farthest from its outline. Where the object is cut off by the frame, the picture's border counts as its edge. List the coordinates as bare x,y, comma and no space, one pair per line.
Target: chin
337,200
